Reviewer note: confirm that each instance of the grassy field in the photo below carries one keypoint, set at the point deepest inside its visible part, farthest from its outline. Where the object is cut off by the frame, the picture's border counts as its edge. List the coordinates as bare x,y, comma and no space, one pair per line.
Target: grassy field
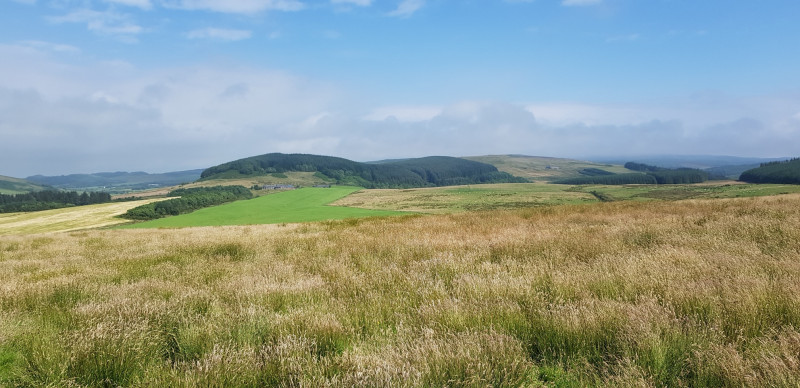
690,293
466,198
535,167
66,219
520,195
302,205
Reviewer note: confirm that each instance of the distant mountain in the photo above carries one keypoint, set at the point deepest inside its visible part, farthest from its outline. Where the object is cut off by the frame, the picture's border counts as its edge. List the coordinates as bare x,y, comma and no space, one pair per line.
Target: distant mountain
689,161
9,185
419,172
117,181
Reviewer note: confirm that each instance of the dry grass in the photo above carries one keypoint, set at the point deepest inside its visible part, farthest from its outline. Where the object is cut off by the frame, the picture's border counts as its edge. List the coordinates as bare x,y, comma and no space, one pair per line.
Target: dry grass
442,200
691,293
66,219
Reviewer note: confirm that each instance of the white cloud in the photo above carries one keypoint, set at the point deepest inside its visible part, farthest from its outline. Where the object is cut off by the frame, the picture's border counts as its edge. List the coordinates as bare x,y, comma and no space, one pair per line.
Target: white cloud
48,46
219,34
571,3
107,22
407,8
143,4
236,6
59,118
406,113
361,3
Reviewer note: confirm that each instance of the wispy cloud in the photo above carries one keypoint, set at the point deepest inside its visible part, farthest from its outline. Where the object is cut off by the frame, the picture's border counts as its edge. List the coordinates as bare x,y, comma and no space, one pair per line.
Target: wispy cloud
236,6
49,46
624,38
571,3
105,22
219,34
361,3
407,8
143,4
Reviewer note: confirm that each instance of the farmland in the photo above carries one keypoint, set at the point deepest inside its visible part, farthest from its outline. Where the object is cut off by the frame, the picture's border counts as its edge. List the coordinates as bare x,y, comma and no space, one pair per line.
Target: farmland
628,293
66,219
303,205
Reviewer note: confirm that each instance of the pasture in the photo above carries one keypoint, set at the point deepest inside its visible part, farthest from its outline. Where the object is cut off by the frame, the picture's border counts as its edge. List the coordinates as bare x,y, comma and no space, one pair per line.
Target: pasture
301,205
66,219
690,293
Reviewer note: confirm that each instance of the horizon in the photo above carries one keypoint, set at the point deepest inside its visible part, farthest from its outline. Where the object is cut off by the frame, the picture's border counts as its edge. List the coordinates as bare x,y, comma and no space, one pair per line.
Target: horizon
139,85
687,159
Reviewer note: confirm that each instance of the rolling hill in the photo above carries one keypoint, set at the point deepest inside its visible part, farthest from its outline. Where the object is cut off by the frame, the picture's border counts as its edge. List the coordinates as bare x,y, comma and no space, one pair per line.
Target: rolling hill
420,172
116,182
9,185
546,169
774,172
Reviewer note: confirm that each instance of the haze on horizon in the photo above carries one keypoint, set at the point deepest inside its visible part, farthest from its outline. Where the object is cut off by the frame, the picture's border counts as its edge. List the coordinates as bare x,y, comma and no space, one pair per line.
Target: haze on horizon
168,85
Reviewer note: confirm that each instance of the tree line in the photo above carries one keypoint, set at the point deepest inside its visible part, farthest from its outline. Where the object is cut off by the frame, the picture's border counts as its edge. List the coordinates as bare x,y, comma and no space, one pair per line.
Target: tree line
188,201
420,172
49,199
784,172
646,175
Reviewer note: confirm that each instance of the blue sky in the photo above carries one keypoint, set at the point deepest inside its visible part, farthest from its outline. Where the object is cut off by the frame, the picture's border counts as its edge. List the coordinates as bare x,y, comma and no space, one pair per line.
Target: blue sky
161,85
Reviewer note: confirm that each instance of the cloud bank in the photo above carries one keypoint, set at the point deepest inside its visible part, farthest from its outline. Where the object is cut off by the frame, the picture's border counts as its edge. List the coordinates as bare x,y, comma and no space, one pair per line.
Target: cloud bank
59,118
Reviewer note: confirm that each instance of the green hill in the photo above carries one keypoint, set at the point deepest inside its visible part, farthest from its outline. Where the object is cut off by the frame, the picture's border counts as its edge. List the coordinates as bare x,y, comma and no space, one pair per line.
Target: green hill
10,185
421,172
774,172
117,182
546,169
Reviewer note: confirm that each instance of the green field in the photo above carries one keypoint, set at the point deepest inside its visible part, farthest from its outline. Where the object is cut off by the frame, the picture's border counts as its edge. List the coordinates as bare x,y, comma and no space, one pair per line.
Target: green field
302,205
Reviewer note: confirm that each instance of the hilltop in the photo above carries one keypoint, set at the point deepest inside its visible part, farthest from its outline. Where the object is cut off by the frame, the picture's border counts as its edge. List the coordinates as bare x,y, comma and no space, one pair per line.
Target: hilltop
541,168
774,172
420,172
9,185
117,182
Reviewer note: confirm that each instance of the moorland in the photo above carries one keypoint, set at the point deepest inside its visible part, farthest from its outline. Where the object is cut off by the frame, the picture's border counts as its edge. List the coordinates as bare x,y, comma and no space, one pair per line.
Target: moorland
508,284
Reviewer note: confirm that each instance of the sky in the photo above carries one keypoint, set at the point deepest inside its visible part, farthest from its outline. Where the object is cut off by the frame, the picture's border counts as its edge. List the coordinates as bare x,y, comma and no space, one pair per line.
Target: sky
168,85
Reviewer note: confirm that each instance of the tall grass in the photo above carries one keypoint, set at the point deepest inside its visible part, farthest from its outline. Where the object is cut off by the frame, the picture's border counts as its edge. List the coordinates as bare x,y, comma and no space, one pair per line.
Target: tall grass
692,293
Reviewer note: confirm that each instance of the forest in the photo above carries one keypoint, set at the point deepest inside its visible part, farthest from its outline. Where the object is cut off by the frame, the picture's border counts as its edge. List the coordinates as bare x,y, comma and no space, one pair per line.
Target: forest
421,172
188,200
646,175
49,199
786,172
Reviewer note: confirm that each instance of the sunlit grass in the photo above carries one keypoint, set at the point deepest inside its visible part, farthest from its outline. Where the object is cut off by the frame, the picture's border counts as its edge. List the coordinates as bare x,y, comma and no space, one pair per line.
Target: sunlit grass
66,219
691,293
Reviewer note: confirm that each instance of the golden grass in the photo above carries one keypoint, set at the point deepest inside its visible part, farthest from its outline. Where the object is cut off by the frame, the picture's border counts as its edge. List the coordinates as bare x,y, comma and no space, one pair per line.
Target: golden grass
689,293
442,200
66,219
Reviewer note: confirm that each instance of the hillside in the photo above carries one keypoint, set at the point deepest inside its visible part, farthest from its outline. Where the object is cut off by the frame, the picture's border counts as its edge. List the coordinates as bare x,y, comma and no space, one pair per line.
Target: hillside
117,182
774,172
421,172
9,185
543,168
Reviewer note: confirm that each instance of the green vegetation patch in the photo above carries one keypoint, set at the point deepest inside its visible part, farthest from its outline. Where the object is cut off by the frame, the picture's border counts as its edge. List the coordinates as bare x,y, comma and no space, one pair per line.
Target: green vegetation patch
302,205
774,172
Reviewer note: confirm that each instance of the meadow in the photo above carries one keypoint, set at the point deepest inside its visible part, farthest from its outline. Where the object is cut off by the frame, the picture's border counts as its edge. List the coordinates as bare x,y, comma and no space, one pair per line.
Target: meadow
301,205
633,293
66,219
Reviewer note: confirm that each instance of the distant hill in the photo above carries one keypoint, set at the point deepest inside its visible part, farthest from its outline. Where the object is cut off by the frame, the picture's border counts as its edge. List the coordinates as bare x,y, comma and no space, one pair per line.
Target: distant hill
540,168
9,185
117,182
774,172
419,172
703,162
